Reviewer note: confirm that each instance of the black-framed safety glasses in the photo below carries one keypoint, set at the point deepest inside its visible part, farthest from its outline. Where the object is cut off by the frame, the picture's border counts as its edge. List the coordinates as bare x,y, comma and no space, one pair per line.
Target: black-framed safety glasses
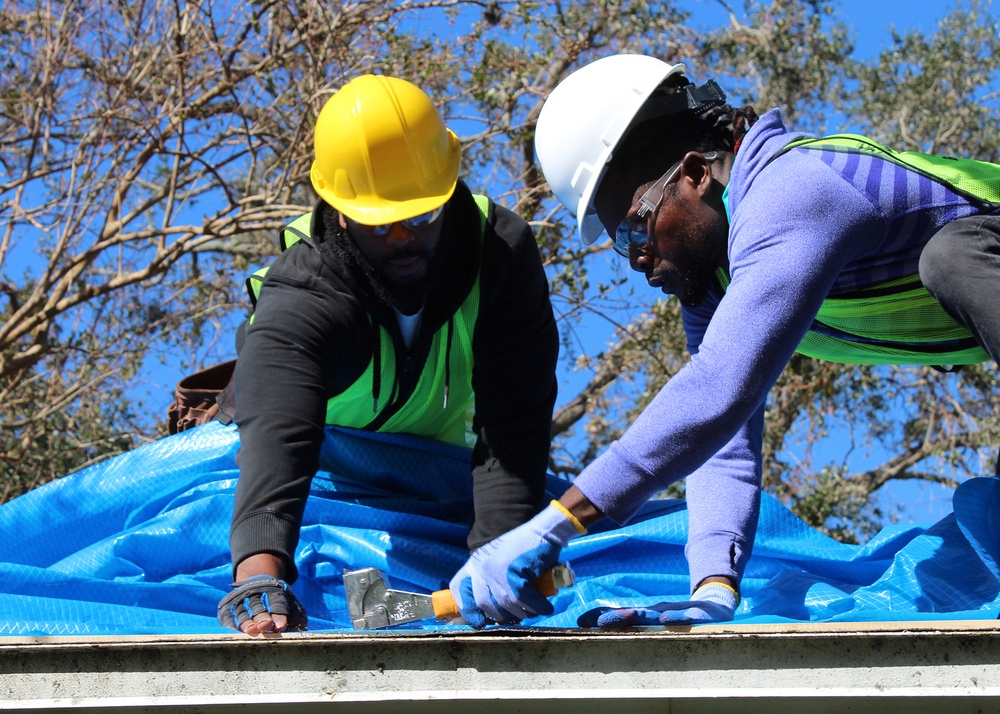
634,230
416,223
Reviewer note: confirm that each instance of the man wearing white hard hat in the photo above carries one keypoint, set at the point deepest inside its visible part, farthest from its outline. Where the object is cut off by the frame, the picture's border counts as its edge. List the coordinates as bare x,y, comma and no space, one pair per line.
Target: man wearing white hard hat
774,242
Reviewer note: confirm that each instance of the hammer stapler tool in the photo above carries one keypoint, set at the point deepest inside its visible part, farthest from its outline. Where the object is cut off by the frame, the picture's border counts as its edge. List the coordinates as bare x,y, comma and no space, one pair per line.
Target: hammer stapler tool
373,605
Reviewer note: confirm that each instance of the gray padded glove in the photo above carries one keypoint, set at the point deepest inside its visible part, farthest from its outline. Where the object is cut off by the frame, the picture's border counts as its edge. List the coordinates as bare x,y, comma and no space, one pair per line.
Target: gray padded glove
261,593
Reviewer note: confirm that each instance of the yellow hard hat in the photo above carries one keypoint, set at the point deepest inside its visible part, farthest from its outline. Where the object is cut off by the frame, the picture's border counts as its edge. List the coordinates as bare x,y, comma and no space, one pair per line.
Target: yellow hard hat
382,152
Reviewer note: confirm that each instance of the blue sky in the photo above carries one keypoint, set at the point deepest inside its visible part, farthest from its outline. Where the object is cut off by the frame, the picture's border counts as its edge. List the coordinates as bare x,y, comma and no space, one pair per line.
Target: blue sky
869,20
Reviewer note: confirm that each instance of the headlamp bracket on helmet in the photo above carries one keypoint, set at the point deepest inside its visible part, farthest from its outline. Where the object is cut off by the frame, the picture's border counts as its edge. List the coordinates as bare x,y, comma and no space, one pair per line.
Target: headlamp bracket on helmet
687,98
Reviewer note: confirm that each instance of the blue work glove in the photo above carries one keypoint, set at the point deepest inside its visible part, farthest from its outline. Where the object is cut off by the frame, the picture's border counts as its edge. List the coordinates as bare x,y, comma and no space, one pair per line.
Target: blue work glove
496,582
261,593
712,602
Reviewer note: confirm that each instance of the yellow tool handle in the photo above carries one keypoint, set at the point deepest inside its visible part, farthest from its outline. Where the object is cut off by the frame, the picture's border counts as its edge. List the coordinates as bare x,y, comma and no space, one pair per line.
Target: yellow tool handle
445,607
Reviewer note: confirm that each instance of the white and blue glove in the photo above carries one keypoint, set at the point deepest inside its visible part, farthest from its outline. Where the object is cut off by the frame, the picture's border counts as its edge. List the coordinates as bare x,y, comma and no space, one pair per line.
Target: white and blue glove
712,602
495,584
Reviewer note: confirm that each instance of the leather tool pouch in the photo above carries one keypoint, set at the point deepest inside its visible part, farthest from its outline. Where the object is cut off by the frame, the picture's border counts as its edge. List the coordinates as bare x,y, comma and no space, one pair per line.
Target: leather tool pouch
203,396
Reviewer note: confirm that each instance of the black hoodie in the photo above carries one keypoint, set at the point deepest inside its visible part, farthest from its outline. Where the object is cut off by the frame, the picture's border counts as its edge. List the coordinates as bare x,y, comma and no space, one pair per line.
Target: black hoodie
311,338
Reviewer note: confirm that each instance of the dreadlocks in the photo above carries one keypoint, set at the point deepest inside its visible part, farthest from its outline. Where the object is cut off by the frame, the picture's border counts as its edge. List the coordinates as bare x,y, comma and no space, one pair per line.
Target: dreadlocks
743,119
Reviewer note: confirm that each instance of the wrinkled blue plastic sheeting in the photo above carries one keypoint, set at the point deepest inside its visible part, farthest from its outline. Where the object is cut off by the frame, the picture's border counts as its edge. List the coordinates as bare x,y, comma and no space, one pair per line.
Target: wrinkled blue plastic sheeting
139,544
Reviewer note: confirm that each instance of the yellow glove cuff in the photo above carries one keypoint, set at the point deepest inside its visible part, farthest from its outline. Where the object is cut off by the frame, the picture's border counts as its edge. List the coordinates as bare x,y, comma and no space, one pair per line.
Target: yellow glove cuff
727,586
572,519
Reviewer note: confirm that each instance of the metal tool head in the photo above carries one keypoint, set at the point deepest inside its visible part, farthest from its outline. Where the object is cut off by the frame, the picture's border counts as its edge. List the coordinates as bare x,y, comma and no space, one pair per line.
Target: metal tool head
373,606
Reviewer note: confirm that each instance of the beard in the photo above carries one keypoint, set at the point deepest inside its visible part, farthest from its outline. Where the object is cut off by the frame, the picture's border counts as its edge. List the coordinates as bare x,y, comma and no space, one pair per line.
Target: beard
690,272
386,269
407,295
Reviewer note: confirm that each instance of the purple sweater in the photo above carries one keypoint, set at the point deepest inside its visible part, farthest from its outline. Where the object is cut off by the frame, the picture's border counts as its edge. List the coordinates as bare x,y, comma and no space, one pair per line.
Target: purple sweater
804,226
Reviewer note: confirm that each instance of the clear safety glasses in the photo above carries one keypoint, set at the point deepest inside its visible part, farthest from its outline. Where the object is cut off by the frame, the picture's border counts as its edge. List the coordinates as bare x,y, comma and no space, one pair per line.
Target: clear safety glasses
415,224
634,229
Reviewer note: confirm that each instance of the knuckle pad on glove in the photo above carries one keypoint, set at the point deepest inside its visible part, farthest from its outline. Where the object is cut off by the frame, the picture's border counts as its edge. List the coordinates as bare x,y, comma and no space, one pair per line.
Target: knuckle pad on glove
628,617
259,595
683,617
591,618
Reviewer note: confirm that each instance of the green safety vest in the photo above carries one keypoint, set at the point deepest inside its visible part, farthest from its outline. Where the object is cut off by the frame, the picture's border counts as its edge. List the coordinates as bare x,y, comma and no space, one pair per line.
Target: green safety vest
900,315
441,406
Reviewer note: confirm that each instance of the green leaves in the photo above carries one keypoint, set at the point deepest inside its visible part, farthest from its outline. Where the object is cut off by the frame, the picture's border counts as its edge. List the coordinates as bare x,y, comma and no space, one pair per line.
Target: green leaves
935,94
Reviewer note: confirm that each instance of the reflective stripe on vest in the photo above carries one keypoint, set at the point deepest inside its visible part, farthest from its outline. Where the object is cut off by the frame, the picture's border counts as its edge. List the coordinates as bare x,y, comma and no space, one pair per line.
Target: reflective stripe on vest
977,181
905,326
899,321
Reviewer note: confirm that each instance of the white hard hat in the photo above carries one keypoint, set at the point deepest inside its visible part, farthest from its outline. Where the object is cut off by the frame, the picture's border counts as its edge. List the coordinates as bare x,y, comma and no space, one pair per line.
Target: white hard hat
583,120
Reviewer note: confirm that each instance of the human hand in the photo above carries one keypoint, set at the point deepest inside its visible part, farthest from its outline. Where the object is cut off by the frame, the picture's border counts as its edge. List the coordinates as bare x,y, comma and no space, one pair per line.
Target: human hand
262,604
496,582
712,602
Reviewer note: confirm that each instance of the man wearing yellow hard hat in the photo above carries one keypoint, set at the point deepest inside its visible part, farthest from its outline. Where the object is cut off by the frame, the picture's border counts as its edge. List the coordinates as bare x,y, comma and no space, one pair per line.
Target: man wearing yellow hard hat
403,304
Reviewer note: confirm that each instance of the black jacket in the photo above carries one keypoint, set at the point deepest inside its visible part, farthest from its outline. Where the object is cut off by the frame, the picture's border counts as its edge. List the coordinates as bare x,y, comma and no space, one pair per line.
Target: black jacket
311,338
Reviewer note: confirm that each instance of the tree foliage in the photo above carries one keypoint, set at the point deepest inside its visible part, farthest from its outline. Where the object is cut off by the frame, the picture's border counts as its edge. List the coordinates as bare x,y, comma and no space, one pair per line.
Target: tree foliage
152,149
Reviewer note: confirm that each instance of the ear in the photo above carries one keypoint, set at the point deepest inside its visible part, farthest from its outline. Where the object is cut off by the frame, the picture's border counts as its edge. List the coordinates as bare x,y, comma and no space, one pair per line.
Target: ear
696,173
343,221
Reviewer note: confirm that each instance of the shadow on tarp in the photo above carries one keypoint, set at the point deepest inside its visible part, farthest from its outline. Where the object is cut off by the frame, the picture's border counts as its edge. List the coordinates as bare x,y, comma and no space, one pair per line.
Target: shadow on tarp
139,544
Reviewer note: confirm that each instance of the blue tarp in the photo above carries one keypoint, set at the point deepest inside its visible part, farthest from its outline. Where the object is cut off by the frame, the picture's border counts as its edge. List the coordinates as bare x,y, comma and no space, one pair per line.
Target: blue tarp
139,544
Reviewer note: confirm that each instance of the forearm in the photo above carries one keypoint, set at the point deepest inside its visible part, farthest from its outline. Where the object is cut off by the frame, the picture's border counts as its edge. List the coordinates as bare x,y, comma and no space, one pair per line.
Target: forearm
283,378
278,457
260,564
517,346
582,508
280,419
723,499
507,490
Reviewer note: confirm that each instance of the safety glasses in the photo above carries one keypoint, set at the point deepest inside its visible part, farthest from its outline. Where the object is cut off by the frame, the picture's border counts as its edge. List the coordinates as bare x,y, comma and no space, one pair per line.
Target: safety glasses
415,224
634,230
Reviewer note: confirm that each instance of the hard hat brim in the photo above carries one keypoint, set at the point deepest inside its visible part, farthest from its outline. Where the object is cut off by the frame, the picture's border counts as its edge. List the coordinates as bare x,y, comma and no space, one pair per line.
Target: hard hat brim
576,139
385,212
379,210
589,227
